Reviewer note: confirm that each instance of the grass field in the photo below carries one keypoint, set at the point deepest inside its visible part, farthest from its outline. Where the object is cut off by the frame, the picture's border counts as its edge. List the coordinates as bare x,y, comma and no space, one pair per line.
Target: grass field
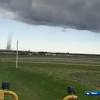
46,78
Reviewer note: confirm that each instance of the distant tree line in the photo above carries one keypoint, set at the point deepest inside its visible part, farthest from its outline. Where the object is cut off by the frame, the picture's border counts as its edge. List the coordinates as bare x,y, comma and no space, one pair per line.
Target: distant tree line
30,53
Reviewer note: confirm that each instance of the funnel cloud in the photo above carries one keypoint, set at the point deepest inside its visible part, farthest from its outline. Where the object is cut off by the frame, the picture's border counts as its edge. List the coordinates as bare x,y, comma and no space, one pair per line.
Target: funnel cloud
9,43
79,14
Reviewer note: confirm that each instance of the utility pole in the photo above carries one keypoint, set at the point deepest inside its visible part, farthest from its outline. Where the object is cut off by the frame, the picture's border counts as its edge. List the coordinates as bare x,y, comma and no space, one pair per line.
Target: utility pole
17,55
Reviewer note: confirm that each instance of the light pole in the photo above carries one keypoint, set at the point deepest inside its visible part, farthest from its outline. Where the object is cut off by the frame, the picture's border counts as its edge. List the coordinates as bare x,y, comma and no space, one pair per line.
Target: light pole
17,55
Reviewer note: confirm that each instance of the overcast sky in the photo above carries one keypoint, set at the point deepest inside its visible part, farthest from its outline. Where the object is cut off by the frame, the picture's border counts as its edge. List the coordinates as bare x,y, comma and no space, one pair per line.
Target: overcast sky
80,14
39,25
48,38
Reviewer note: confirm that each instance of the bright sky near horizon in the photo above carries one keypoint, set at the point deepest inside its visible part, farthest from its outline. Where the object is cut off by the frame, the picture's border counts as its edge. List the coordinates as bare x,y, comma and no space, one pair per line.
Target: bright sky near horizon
48,38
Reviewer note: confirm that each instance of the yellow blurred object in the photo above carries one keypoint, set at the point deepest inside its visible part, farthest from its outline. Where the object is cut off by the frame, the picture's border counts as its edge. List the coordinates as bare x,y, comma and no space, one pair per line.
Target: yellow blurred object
1,95
70,97
4,93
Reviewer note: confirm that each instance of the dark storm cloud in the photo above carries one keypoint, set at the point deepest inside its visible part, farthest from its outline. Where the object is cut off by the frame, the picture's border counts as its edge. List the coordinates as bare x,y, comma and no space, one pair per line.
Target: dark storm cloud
80,14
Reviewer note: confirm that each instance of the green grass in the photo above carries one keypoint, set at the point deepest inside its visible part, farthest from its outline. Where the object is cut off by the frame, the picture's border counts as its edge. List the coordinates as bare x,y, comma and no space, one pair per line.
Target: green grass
48,81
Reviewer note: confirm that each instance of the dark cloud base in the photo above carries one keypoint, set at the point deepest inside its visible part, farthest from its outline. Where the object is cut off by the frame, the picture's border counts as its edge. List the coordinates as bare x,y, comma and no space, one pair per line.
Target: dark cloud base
79,14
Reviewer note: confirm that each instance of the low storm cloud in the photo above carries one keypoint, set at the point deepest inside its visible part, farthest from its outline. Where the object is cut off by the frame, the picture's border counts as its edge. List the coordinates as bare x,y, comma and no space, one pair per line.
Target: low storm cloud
79,14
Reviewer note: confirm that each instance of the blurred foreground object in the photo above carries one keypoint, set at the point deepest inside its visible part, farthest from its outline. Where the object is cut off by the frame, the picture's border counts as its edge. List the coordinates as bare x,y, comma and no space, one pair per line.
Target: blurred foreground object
5,92
71,94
